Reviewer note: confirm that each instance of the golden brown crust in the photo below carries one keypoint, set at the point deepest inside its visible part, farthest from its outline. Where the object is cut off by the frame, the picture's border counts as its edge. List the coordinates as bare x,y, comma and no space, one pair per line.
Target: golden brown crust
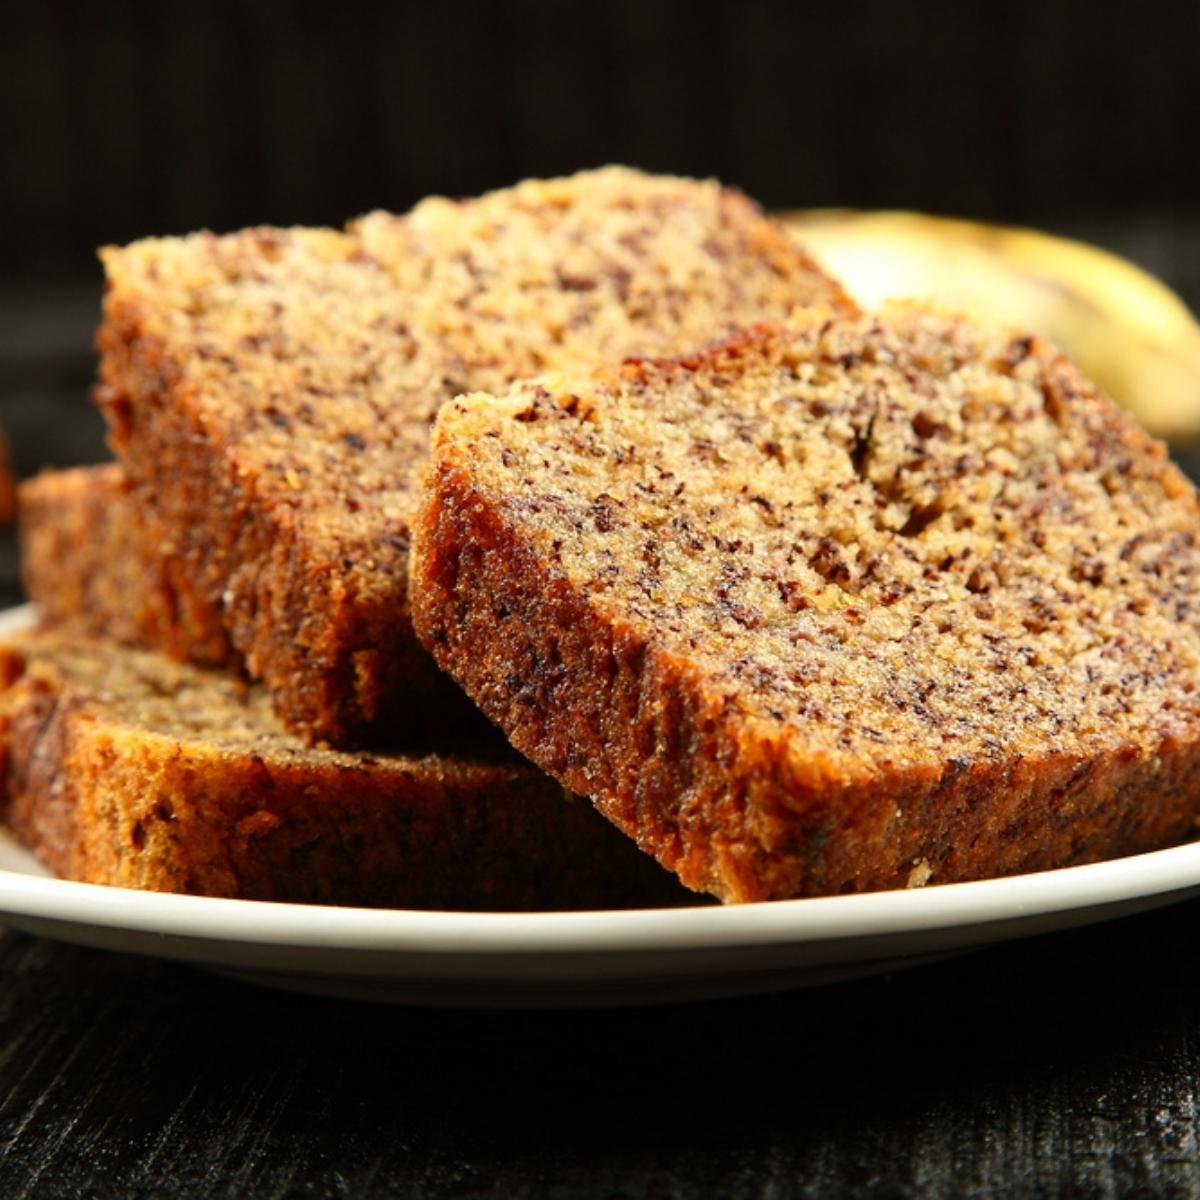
94,558
805,669
125,769
273,390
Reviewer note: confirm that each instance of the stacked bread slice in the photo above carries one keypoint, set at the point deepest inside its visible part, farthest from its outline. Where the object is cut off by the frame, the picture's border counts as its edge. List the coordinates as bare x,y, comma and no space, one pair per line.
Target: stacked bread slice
270,395
126,768
842,603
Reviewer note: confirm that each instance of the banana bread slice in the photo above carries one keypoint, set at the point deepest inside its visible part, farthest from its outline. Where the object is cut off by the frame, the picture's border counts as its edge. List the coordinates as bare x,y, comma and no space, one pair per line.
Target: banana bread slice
122,767
272,390
839,605
95,560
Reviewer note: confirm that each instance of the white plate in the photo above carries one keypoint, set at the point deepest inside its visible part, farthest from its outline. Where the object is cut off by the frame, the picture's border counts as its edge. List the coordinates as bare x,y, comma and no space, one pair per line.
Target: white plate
581,959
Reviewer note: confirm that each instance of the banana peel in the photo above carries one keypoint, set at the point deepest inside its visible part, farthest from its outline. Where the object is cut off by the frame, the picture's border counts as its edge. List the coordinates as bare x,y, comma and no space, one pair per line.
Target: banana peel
1127,330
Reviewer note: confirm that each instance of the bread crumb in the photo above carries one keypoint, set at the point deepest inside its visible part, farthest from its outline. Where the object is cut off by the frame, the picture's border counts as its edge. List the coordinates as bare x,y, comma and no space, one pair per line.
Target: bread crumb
920,875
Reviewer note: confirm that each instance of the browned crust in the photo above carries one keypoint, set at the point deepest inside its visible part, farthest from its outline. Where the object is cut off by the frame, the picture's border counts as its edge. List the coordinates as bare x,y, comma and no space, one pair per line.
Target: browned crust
715,796
94,558
340,669
105,802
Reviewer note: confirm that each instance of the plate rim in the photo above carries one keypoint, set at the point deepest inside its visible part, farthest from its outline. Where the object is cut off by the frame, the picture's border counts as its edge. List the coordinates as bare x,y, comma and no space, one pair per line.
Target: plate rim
819,919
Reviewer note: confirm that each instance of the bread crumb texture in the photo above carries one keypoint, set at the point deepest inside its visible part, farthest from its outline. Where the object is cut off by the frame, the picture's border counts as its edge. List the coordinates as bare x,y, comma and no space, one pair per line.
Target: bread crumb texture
846,603
273,389
122,767
94,559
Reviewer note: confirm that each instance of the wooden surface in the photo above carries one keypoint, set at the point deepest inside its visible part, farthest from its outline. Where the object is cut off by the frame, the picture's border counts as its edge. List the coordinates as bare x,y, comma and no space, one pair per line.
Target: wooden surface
1066,1065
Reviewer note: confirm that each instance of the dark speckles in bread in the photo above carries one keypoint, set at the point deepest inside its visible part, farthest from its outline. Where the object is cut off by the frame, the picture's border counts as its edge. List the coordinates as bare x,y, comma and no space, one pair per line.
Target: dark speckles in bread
842,604
272,390
95,560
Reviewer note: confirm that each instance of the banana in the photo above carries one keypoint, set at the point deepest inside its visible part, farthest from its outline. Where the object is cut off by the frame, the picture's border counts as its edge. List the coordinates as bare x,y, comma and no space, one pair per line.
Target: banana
1127,330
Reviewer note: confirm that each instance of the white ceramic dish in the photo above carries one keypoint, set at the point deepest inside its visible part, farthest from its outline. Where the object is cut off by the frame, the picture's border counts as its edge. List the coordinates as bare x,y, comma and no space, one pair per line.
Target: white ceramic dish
581,959
594,958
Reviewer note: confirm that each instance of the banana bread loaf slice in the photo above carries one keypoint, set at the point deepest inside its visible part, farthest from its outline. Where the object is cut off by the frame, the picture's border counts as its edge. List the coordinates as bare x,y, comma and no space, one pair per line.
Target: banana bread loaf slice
839,605
272,390
96,560
121,767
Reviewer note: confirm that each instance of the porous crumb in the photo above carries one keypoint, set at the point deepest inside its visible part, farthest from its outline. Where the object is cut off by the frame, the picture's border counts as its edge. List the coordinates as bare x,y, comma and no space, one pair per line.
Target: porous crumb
272,390
94,559
828,600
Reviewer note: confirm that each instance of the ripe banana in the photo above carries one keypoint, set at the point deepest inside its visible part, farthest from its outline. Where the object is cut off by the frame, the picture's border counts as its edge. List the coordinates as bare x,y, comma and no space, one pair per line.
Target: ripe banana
1127,330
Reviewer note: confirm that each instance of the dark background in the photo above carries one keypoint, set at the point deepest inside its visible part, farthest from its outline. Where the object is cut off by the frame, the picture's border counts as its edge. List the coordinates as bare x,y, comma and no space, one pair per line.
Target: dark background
1060,1066
124,119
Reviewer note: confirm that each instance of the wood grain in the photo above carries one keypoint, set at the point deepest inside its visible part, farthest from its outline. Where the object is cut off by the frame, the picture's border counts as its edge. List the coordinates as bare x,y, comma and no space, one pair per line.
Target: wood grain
1064,1065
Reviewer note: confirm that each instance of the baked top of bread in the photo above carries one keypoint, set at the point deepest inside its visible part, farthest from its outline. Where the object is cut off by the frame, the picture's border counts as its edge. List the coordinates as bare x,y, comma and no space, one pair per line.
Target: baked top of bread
307,365
849,562
121,767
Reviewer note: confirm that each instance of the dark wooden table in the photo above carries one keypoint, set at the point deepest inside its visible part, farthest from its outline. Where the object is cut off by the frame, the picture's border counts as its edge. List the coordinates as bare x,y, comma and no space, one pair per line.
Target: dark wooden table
1064,1065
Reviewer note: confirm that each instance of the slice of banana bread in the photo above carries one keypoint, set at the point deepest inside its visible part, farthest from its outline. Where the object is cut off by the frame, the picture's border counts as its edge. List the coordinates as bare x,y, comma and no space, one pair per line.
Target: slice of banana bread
121,767
95,560
838,605
273,390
